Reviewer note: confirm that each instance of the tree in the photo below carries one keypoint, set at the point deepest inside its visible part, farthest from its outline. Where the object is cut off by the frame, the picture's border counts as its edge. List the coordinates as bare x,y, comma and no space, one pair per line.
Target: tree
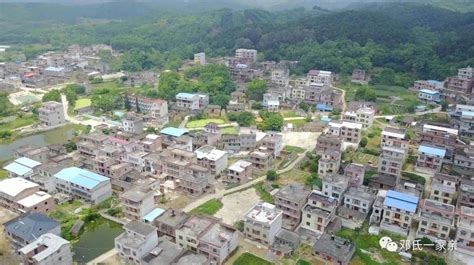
365,93
304,106
128,105
256,89
246,119
272,121
137,105
272,175
53,95
444,105
363,142
221,100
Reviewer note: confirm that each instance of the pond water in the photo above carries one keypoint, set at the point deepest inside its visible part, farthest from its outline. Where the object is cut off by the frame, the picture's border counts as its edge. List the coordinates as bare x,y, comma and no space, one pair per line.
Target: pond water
97,239
56,136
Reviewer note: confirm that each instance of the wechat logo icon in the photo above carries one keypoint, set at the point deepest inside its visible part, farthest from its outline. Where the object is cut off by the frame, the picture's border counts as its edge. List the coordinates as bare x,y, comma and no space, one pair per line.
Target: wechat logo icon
387,243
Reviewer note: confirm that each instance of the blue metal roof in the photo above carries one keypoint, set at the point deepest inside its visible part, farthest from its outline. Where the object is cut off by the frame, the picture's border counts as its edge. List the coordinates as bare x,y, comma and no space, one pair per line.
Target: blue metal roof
81,177
27,162
176,132
17,168
151,216
428,91
467,113
322,106
401,201
431,150
54,69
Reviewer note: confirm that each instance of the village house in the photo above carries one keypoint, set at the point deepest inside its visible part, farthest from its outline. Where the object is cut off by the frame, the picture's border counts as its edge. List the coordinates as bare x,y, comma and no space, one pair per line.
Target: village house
364,116
377,208
349,132
320,77
157,108
393,137
466,124
247,138
47,249
463,157
137,202
191,101
200,58
398,212
271,102
355,173
273,143
213,159
428,84
359,76
218,242
328,142
240,172
263,222
465,230
261,160
444,188
466,193
27,228
22,167
319,211
40,154
168,222
440,136
436,220
329,163
20,195
280,77
247,56
335,185
391,161
132,124
460,85
187,236
136,241
334,250
51,114
430,158
291,200
83,184
430,96
286,242
356,204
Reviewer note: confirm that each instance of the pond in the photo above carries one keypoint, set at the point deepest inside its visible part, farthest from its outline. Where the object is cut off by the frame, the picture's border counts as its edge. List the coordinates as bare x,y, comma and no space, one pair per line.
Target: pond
56,136
97,239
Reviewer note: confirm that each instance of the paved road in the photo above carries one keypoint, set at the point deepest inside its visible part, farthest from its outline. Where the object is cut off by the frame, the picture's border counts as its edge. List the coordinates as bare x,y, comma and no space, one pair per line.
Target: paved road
182,125
249,184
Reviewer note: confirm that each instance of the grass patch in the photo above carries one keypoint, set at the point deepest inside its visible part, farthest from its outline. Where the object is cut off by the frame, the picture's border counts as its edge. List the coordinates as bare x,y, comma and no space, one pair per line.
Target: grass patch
263,194
203,122
361,158
293,149
293,176
82,102
250,259
289,114
229,130
303,262
3,174
297,122
208,208
18,122
112,85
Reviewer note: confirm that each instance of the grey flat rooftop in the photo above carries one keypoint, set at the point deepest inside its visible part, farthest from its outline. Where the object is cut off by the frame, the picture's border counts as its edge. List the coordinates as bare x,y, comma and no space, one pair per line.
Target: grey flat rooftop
294,192
140,228
165,253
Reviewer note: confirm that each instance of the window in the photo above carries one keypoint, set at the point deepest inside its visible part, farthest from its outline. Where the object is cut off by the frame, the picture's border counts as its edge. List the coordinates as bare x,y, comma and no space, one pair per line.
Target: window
308,215
424,222
308,223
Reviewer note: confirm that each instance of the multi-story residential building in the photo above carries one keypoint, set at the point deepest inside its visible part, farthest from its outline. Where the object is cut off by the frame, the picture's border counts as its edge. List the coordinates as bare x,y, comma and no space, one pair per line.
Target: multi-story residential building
280,77
398,212
394,137
286,242
87,145
20,195
191,101
136,241
187,236
460,85
320,77
318,212
436,220
47,249
350,132
377,208
364,116
218,242
356,204
391,161
430,157
196,180
355,173
262,223
273,143
334,185
466,193
22,167
328,142
169,221
440,136
465,230
200,58
213,159
359,76
51,113
132,124
444,188
247,56
334,250
430,96
466,124
329,163
291,199
271,102
26,228
137,202
41,154
428,84
239,172
85,185
463,160
261,160
247,138
321,95
155,107
167,252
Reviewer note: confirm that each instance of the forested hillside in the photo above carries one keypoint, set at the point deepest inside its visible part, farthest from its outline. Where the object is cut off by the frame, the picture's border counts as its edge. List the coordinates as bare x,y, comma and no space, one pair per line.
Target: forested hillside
415,41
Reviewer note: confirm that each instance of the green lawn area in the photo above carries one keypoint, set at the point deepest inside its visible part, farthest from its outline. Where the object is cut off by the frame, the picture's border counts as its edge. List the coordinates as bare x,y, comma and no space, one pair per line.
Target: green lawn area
364,241
291,149
250,259
289,114
263,194
208,208
229,130
107,84
297,122
361,158
303,262
203,122
18,122
82,102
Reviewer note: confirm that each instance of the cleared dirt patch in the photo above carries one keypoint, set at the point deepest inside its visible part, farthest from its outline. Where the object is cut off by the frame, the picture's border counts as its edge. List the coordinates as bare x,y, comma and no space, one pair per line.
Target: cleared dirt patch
236,205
